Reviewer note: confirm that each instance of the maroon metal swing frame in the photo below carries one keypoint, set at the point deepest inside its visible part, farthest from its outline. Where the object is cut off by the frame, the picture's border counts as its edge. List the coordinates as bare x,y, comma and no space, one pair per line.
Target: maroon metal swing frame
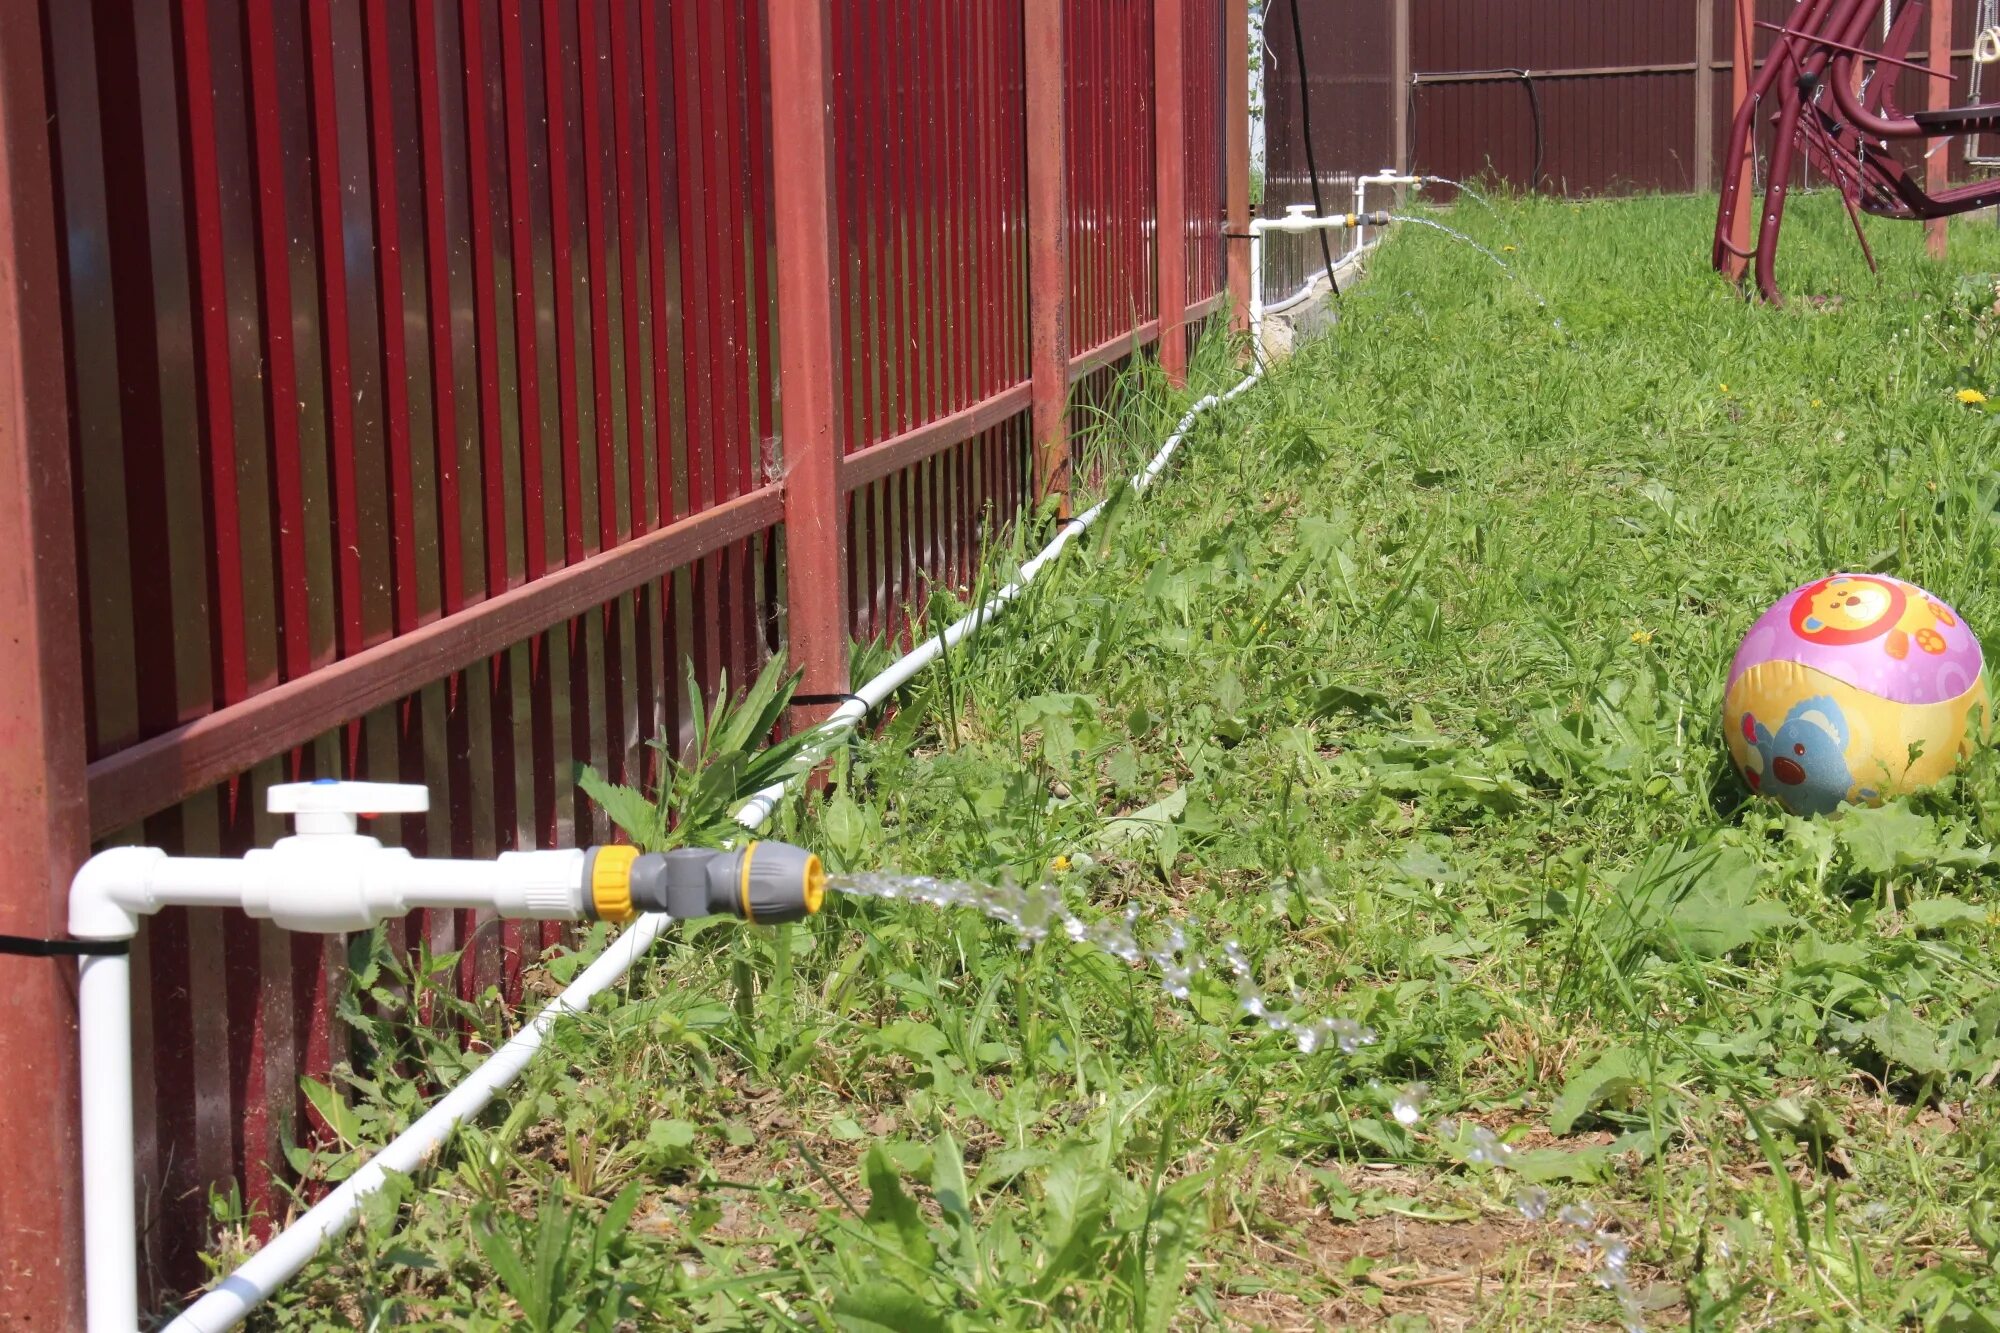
1832,101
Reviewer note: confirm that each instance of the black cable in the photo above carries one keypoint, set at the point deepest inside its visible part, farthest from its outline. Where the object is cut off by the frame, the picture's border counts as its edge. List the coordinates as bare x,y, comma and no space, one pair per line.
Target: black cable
1535,113
1410,125
26,946
824,700
1306,126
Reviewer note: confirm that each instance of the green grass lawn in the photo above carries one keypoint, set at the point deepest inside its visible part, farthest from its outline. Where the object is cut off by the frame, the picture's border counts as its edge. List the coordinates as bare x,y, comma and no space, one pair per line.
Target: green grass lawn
1406,679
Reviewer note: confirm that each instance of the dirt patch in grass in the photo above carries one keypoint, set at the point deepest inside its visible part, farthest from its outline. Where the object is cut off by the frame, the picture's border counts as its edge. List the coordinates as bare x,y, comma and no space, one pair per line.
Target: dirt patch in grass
1475,1273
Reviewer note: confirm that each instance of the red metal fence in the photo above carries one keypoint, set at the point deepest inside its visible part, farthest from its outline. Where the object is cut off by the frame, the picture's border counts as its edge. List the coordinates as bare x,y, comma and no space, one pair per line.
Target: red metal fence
440,377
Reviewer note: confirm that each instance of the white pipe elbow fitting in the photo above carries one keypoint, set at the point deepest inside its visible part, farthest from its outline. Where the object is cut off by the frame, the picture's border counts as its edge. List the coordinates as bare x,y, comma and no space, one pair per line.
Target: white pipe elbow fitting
111,892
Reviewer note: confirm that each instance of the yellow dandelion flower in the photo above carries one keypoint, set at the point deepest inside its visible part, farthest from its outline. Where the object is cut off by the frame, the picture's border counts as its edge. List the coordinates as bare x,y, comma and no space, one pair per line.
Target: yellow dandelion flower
1817,403
1971,397
1506,249
1642,636
1060,864
1725,388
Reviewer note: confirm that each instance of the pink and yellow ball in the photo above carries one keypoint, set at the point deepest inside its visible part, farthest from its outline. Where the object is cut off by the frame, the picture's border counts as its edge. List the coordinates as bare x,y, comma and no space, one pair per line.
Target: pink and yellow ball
1856,688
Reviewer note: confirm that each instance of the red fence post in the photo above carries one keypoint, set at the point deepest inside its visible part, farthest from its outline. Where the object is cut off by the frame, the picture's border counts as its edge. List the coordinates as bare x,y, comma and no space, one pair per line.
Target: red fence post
1236,110
1937,168
42,802
1170,211
1704,96
1048,249
815,503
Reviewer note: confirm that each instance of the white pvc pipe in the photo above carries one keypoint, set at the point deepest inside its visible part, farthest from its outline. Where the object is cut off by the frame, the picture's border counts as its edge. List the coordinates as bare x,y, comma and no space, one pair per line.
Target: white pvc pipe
1386,176
110,1223
290,1250
1299,220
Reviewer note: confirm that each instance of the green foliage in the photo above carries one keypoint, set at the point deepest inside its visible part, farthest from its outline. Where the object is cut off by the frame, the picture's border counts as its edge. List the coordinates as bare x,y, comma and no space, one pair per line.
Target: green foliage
735,753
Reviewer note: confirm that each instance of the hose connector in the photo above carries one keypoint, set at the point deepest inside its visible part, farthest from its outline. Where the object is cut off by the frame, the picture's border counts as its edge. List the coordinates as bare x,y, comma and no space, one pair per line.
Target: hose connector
765,883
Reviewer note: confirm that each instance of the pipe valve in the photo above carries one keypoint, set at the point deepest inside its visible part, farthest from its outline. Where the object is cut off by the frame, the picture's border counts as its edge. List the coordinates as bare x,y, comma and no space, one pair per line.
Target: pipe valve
765,883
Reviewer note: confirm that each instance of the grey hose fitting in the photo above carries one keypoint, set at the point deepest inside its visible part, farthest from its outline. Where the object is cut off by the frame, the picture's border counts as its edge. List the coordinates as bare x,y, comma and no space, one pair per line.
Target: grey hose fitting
761,882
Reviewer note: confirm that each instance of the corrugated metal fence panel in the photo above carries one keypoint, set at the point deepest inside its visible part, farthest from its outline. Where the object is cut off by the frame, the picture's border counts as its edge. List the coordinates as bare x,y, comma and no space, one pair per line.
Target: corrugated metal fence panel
1349,58
1608,133
930,150
375,311
1207,183
1114,281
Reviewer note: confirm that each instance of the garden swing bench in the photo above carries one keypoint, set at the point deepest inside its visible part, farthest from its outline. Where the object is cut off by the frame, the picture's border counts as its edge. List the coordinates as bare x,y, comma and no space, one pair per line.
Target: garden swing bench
1829,99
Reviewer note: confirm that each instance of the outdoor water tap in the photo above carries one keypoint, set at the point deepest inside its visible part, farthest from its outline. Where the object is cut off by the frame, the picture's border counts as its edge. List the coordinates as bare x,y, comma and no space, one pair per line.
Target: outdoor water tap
765,883
329,877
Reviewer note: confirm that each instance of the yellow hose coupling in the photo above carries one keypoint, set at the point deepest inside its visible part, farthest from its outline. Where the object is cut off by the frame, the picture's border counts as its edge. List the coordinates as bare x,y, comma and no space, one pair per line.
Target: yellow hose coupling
608,872
767,883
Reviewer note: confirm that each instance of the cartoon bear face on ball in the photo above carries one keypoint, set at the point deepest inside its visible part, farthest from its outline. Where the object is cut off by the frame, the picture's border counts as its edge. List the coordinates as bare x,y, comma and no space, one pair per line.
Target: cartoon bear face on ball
1850,609
1804,764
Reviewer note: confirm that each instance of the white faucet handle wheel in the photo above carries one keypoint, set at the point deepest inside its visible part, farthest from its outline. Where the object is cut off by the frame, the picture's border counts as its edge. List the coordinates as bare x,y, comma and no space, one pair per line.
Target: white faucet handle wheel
332,806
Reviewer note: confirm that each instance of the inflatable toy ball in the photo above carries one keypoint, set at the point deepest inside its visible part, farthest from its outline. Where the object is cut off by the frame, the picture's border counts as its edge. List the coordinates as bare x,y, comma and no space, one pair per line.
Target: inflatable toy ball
1856,688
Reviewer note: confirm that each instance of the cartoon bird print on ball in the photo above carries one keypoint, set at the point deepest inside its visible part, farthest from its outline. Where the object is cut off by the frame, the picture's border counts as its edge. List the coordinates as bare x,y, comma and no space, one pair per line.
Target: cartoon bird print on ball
1804,765
1850,609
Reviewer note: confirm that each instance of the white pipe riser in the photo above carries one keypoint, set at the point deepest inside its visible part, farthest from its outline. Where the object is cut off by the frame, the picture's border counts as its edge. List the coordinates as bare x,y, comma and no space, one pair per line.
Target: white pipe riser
110,1215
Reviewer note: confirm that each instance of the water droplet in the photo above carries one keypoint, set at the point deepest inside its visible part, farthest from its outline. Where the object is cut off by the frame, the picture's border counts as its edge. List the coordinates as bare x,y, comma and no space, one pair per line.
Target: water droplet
1580,1216
1035,912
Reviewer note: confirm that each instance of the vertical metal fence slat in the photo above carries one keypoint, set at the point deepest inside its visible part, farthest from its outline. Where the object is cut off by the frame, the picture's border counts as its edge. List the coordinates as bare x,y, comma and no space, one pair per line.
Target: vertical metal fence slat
596,268
656,105
562,273
218,416
389,317
480,208
520,274
634,212
437,271
1049,251
280,368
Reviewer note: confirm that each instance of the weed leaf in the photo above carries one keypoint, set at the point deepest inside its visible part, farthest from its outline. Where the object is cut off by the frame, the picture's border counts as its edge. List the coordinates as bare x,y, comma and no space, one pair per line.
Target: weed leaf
1613,1078
1903,1038
893,1213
